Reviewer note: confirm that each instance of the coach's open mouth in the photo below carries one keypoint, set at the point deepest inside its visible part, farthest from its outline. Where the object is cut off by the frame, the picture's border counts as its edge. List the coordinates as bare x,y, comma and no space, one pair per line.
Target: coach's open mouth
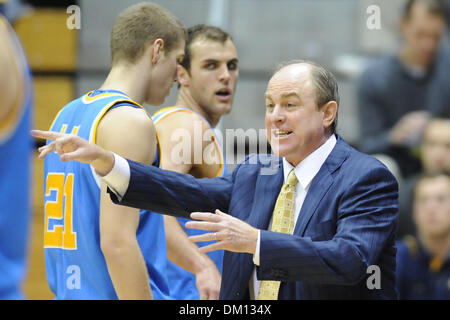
281,133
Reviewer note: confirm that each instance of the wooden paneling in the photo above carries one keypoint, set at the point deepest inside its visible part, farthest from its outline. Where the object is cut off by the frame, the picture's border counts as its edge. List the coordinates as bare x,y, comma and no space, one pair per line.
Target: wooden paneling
49,44
51,94
35,286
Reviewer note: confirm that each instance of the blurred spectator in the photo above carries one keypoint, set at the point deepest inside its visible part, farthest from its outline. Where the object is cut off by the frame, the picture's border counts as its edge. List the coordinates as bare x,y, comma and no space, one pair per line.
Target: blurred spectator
435,157
423,261
399,93
448,12
435,151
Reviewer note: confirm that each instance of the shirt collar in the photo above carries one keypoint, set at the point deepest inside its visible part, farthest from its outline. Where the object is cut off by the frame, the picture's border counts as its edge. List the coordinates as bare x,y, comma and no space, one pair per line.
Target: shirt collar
306,170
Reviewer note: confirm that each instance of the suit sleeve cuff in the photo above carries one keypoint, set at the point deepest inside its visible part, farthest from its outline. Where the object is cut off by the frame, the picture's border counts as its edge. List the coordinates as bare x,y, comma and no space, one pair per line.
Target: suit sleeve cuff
256,254
119,177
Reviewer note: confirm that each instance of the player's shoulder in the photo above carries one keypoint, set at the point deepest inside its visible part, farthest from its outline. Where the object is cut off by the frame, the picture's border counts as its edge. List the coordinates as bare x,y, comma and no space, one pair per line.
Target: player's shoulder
128,116
184,118
128,131
125,123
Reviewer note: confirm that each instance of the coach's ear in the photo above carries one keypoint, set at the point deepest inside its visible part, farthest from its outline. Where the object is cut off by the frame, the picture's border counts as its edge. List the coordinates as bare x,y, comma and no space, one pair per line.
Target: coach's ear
183,77
329,111
157,50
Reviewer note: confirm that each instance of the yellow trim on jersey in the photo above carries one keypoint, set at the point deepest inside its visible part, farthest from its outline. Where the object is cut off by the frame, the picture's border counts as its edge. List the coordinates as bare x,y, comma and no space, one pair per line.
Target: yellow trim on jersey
54,120
163,110
158,145
91,99
103,112
174,109
3,22
222,160
87,99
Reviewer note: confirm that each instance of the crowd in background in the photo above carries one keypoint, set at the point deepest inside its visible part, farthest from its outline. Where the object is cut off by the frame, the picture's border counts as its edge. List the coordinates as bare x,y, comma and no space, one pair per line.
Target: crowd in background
404,108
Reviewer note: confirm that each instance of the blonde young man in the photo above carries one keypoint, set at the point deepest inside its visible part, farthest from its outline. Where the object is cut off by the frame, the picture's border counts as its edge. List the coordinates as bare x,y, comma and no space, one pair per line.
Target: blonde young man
92,247
207,78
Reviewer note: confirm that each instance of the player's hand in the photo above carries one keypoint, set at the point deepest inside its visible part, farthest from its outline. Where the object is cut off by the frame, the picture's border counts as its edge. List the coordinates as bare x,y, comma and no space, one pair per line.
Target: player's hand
208,281
71,147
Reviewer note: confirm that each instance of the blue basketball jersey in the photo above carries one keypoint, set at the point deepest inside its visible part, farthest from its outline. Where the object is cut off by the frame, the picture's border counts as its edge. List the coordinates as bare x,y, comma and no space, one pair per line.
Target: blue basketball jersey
75,265
16,147
182,282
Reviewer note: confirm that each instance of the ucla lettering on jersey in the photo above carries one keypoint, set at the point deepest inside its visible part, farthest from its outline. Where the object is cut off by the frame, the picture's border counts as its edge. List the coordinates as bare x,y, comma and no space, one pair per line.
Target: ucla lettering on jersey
182,282
75,265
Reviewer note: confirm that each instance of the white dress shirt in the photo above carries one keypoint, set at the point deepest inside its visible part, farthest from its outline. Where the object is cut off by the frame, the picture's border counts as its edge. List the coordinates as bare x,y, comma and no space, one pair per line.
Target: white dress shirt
119,177
305,172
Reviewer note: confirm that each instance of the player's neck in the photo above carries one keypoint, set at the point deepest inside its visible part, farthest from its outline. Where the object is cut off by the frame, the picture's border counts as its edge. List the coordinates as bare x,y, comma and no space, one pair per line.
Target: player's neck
123,78
186,100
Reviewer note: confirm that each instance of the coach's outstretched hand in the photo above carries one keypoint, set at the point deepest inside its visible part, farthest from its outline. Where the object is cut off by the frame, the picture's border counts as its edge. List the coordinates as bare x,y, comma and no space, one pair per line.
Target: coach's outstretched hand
71,147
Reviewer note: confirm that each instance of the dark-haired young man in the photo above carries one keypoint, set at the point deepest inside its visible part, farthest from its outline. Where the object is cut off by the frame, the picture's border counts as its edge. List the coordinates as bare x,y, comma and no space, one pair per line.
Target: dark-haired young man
207,80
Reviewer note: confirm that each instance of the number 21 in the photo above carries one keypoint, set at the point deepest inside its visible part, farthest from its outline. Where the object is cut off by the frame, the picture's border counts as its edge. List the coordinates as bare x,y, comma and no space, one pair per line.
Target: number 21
60,236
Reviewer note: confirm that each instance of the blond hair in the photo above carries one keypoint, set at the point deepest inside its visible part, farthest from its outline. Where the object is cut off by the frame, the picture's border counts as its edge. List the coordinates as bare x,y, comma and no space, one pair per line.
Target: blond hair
138,26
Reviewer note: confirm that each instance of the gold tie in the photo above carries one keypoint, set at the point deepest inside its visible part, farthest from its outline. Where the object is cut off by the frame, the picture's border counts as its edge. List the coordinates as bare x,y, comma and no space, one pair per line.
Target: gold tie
283,221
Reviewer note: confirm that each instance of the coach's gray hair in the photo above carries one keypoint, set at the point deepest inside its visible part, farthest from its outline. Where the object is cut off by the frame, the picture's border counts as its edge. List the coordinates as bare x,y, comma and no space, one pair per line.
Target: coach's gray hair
325,83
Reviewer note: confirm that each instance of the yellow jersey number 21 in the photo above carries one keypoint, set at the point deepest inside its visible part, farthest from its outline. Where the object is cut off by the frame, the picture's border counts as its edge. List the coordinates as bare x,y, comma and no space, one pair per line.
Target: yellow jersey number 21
61,236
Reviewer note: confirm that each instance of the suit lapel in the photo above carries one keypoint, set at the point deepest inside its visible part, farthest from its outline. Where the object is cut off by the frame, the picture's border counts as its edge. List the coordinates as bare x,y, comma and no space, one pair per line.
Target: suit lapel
268,185
318,188
320,185
267,189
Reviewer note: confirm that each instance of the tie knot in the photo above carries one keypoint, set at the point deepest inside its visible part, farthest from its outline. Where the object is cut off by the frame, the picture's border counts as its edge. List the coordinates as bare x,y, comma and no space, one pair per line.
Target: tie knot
292,179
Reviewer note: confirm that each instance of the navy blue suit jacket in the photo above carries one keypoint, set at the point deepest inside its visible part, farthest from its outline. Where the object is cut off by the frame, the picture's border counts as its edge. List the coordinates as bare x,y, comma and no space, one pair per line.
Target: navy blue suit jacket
346,224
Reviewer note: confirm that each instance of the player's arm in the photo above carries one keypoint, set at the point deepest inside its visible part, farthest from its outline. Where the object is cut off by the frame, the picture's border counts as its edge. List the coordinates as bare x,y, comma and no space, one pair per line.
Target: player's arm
130,133
10,80
180,250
